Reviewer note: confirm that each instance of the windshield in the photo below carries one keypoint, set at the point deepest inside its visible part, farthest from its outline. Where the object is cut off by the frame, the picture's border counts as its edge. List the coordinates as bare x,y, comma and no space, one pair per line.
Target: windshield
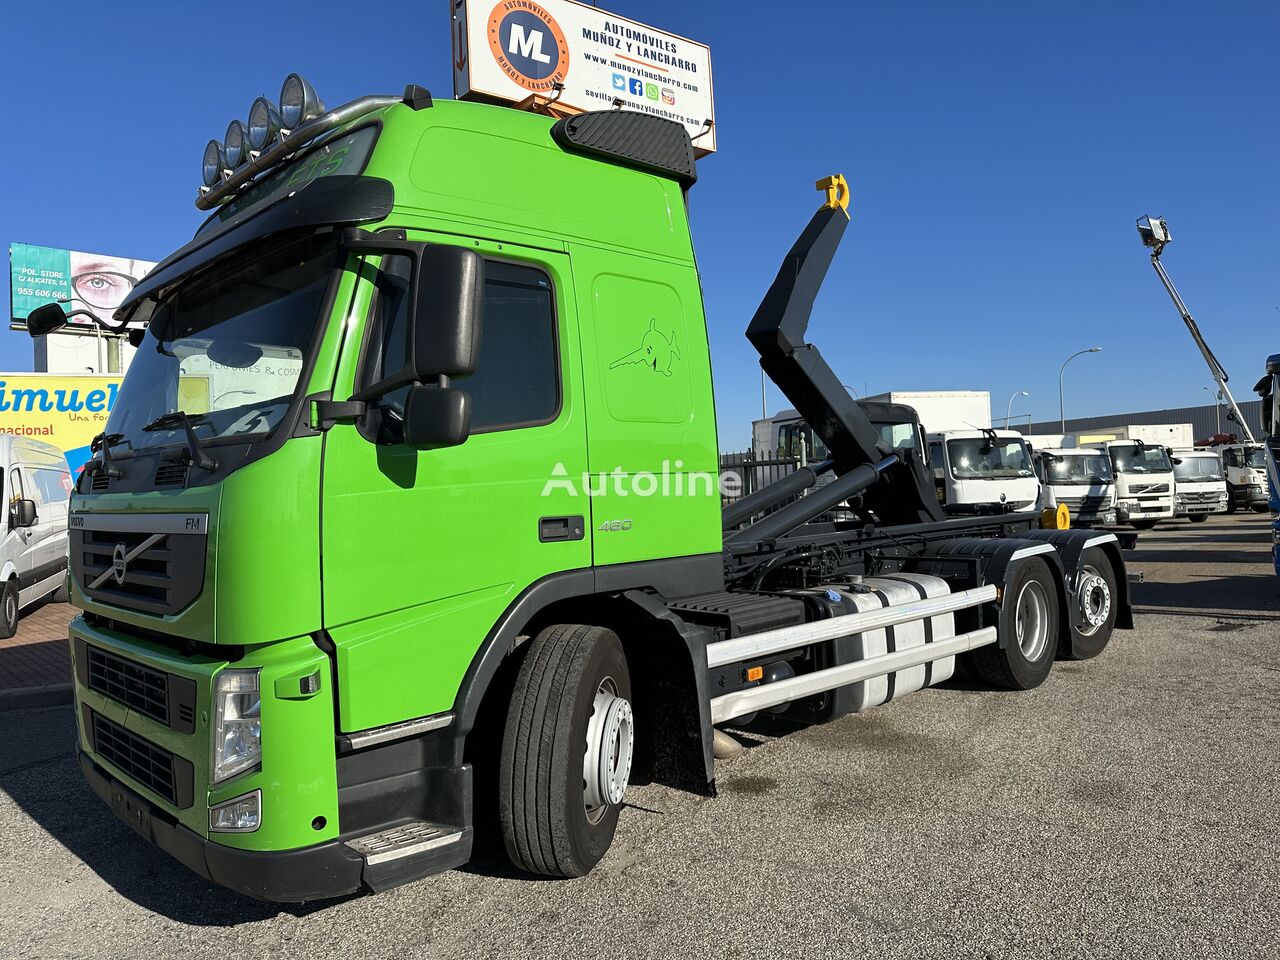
1197,469
979,459
1068,468
1137,459
1255,457
227,347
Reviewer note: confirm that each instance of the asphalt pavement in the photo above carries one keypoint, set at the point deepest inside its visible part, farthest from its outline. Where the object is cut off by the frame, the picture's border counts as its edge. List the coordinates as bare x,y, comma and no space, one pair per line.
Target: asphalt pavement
1126,808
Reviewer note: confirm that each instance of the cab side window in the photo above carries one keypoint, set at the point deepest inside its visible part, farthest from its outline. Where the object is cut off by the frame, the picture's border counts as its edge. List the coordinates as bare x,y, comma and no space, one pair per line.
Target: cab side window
517,378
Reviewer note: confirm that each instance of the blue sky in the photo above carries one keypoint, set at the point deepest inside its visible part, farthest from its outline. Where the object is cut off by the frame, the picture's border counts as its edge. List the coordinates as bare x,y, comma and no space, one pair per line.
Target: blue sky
998,155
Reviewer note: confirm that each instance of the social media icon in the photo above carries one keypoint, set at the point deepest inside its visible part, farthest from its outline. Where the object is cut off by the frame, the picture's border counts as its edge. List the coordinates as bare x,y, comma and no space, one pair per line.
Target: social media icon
619,82
651,91
636,87
668,96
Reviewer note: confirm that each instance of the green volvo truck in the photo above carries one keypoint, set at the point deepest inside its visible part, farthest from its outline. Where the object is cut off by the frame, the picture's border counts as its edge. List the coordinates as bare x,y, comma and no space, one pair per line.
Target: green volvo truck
406,518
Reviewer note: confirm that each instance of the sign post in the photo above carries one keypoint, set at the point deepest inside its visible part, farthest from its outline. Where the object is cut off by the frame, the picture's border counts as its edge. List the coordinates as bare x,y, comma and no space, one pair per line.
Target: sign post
566,57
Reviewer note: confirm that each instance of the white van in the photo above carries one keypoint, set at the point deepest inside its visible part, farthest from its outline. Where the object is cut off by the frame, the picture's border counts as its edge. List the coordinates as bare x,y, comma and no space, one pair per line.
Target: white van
36,485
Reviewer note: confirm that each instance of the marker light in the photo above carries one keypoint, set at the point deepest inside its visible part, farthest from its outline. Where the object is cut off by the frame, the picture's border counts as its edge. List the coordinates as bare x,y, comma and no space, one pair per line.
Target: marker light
215,161
298,102
264,124
234,145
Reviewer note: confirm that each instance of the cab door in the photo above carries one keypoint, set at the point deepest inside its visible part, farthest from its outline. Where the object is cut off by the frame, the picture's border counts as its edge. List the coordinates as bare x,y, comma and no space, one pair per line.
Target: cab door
423,551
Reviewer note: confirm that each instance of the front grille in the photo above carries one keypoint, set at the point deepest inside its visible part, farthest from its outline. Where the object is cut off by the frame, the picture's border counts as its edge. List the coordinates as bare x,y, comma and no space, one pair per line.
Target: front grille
1148,488
129,683
164,774
1087,504
162,573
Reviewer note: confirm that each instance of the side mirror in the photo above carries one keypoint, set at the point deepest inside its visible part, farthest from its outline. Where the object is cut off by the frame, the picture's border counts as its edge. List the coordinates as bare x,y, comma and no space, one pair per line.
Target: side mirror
436,417
24,513
448,311
45,320
446,297
136,336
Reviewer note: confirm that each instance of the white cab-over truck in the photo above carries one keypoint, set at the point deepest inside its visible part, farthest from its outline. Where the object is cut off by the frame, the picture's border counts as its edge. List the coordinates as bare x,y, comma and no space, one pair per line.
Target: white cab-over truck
982,471
1200,486
1081,479
1144,482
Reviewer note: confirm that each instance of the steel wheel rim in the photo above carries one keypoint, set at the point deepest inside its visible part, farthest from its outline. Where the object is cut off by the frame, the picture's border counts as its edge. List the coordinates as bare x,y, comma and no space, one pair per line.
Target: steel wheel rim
606,760
1031,620
1094,599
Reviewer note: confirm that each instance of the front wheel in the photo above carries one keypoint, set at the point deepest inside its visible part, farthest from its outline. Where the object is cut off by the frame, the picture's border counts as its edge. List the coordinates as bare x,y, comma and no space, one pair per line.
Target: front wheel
1028,630
566,751
9,609
1198,517
1231,499
1143,524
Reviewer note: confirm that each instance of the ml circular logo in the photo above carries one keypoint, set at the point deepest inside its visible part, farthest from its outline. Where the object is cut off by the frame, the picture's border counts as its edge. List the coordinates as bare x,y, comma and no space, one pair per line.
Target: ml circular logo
119,557
528,45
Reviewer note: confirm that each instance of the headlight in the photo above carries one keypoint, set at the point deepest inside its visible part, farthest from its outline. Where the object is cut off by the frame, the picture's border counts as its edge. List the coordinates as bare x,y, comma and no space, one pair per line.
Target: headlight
264,124
234,145
215,161
237,725
298,102
241,815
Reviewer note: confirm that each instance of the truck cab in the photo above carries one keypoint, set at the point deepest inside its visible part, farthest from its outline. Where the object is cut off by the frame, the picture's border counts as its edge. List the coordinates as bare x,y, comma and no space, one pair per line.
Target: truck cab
982,470
1200,484
1245,466
1144,482
1081,479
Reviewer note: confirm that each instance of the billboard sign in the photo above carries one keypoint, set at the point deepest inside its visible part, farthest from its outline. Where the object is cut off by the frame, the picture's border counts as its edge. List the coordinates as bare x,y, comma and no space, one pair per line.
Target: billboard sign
510,50
79,281
66,411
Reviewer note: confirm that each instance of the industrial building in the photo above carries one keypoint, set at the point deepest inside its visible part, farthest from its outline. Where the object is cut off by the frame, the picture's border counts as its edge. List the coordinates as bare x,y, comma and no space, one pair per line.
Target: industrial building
1205,420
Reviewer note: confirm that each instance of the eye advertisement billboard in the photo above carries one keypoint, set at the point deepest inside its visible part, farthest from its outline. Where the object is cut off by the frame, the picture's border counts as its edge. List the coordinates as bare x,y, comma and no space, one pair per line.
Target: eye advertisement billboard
79,281
510,50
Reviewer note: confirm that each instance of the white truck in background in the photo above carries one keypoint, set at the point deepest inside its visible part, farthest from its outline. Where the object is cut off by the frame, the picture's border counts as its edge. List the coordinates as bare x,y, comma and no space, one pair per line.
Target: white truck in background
943,410
981,471
1245,467
1200,484
1144,481
1081,478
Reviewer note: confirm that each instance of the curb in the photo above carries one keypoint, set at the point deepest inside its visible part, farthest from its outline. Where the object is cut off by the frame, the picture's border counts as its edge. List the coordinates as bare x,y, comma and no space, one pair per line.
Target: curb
25,698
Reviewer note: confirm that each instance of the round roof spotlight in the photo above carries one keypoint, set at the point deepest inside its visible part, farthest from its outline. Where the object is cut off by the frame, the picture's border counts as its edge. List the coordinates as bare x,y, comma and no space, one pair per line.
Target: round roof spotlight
234,145
298,102
264,124
215,161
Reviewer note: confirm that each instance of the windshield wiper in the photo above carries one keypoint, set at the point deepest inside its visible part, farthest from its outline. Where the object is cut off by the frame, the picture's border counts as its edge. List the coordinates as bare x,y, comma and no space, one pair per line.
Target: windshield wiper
102,444
179,419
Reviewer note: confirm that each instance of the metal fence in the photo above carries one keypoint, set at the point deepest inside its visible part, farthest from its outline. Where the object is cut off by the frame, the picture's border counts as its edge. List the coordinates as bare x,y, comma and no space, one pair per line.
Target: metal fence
743,473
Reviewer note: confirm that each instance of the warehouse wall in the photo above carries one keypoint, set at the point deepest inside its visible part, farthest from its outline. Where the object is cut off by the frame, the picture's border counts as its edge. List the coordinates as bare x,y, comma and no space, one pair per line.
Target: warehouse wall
1202,420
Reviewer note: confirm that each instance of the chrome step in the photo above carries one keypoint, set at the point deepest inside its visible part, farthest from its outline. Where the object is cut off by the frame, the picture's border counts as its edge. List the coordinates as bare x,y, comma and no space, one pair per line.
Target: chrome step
406,840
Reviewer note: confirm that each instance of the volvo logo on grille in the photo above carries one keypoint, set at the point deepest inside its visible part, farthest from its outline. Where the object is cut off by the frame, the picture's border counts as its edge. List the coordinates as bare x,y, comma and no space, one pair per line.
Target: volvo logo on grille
119,561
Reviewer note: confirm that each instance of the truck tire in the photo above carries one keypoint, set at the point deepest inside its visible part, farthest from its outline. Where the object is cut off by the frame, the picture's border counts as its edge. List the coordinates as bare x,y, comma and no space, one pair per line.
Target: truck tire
1231,498
1143,524
566,751
1028,627
1095,598
1198,517
9,609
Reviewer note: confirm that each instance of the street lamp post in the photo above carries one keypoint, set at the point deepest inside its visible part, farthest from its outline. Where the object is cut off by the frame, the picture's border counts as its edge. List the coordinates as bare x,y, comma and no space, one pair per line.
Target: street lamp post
1217,408
1062,407
1008,414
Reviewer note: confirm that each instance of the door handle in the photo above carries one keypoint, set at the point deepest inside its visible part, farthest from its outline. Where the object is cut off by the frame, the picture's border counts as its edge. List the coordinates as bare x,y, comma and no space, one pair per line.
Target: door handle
553,529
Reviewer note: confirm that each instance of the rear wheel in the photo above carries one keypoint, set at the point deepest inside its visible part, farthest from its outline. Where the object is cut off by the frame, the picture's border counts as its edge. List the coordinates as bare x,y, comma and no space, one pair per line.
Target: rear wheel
9,609
566,751
1094,604
1028,629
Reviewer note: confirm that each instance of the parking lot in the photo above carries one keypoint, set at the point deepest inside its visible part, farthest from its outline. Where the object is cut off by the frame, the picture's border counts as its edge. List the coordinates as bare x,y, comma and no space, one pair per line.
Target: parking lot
1126,808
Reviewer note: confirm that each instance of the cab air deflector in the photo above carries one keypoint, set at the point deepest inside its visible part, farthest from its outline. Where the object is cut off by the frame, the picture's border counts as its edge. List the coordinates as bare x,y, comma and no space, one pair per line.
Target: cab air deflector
632,139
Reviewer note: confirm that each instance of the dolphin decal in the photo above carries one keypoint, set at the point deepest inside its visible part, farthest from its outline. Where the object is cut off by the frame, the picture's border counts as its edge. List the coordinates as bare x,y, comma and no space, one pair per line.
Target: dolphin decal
656,351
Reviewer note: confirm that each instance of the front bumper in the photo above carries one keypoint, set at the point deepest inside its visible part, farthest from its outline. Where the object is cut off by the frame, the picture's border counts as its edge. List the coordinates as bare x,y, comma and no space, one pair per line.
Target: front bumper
326,870
1198,509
